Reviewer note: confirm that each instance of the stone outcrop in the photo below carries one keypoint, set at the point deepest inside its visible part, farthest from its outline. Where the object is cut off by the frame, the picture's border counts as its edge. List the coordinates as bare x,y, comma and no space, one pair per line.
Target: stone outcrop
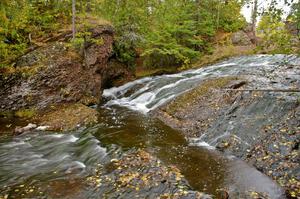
244,37
240,38
292,28
58,73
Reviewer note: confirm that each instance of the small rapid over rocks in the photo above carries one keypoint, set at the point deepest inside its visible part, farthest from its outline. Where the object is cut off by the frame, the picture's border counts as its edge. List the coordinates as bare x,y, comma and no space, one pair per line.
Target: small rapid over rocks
149,93
129,153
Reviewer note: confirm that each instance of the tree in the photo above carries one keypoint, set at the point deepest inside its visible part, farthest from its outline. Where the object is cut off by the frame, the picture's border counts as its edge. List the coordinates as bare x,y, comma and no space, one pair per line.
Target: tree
276,38
73,19
178,30
254,18
294,17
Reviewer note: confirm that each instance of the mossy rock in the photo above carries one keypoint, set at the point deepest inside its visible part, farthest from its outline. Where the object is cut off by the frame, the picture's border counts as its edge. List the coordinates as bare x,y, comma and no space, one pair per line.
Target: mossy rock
192,96
25,113
68,117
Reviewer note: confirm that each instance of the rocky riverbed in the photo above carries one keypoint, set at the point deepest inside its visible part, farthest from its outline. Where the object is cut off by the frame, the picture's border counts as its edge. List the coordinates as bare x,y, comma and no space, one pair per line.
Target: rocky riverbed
136,174
216,120
260,127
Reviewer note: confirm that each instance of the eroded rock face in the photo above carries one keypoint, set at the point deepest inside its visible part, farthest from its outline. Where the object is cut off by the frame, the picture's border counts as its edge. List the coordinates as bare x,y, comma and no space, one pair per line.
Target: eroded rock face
58,74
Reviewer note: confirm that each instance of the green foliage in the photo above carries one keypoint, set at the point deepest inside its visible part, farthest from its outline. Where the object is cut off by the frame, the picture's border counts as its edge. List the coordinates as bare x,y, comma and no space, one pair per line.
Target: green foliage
170,32
125,53
275,36
77,43
130,21
25,113
295,16
166,33
22,21
173,41
230,20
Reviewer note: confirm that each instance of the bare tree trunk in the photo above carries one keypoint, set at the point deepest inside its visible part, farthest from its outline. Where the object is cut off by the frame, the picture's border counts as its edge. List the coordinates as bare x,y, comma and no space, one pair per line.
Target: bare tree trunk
218,14
73,18
81,6
198,11
88,6
254,18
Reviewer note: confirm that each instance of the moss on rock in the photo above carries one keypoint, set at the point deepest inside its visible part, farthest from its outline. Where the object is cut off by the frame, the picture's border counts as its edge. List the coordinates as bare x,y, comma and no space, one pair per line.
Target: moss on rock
192,96
25,113
68,117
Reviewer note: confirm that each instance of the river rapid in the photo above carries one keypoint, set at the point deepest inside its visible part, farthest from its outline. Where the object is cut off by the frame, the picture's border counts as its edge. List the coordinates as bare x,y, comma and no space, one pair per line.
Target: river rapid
54,165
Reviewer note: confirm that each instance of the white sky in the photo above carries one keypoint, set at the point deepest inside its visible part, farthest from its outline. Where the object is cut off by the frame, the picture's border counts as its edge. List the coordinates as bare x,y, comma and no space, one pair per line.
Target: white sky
264,4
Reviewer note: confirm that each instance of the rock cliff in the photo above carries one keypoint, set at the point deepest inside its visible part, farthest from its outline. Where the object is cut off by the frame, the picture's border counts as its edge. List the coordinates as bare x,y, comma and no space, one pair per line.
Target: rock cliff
57,74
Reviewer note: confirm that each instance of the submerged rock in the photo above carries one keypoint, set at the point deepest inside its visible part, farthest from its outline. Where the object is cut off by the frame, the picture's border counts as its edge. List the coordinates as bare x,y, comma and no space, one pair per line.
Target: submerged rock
20,130
136,174
140,175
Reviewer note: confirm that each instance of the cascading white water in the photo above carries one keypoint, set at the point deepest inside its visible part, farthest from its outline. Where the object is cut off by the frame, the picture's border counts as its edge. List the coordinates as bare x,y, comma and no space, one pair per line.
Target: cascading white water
146,94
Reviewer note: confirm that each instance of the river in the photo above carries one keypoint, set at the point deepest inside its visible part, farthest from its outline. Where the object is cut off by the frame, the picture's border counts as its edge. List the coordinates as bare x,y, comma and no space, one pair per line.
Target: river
49,162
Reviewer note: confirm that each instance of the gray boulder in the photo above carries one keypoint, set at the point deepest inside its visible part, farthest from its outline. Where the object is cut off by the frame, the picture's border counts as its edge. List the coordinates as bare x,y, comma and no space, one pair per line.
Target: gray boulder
240,38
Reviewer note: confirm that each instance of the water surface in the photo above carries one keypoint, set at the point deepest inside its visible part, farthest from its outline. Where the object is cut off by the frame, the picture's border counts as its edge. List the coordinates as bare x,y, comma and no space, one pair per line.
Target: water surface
54,165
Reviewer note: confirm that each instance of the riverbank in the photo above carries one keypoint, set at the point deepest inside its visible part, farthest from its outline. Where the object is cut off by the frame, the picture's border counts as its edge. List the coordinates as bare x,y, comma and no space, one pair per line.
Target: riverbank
225,46
261,128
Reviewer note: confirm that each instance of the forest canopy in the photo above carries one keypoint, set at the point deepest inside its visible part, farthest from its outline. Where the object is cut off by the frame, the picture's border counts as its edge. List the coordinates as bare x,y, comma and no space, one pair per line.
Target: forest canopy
166,33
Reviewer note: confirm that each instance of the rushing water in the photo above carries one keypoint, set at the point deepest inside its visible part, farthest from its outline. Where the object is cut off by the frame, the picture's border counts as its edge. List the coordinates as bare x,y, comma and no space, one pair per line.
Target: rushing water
148,93
54,165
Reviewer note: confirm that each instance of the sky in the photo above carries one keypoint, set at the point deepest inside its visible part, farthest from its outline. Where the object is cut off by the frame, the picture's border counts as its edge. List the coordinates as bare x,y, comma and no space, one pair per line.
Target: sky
264,4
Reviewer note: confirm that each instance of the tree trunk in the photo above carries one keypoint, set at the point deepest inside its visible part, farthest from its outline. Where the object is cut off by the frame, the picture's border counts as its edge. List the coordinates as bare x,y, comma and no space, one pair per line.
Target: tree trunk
73,18
81,6
88,6
218,14
254,18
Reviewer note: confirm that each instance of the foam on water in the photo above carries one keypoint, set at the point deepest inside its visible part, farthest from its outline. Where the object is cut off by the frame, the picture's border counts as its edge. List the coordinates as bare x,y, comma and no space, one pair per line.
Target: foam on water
149,93
204,145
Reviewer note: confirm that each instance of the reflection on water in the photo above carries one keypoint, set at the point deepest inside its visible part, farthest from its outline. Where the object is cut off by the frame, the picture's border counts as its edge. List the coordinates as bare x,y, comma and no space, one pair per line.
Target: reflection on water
204,169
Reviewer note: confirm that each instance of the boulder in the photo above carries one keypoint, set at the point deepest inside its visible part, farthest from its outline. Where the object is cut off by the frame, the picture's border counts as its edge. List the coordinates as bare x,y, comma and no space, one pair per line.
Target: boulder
68,117
292,28
20,130
240,38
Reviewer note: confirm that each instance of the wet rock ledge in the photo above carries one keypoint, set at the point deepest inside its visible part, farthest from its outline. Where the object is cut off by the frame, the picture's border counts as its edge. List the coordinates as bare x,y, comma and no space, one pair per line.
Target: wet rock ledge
262,128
